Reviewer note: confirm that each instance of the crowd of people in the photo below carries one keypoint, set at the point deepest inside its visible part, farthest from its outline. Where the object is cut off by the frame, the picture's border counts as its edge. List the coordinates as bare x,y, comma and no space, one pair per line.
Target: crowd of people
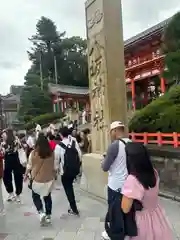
41,158
134,211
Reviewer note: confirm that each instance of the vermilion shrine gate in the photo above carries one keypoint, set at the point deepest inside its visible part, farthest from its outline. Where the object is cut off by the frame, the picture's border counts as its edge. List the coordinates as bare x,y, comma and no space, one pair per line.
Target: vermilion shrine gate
64,97
144,64
143,68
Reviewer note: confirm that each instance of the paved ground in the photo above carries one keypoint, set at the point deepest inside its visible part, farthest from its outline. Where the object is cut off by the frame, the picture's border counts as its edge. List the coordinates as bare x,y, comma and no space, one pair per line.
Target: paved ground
21,221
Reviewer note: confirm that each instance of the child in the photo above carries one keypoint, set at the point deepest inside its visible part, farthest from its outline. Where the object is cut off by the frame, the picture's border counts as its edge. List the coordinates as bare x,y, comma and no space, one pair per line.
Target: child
143,184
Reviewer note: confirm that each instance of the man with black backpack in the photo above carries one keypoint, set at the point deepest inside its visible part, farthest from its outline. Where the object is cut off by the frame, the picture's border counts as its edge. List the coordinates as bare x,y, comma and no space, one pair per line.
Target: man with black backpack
70,158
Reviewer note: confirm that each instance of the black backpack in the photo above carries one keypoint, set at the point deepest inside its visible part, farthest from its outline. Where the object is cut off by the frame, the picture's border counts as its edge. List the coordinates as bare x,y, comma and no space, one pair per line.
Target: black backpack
72,162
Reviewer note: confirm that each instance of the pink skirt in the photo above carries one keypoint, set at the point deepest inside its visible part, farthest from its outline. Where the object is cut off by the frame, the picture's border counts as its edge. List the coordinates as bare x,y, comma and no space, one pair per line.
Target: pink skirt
152,225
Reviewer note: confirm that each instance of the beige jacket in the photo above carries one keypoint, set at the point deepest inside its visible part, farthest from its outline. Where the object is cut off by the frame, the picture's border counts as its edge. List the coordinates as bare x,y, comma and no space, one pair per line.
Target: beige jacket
42,170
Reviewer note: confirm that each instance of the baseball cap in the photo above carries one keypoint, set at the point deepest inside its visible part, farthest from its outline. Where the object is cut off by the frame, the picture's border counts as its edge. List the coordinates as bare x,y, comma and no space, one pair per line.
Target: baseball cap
116,124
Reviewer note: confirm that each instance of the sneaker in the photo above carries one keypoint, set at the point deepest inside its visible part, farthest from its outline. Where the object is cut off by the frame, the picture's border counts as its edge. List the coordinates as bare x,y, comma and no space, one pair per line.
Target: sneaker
2,212
42,217
11,197
48,219
70,212
18,199
104,236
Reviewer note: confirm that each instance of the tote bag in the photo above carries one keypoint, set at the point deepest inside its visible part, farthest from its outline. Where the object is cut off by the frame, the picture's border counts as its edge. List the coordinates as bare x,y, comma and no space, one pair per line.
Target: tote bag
22,156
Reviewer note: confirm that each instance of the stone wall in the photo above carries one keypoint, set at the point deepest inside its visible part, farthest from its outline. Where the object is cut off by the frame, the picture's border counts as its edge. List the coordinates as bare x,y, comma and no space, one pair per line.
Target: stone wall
167,163
165,160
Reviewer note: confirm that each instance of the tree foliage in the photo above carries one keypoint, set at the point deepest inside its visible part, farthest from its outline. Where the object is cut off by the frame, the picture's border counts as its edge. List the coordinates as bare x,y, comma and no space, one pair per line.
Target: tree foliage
35,102
171,49
161,115
48,45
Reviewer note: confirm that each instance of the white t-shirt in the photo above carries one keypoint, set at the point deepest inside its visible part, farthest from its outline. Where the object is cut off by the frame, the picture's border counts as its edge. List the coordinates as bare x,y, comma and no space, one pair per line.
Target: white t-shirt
51,128
38,128
115,164
57,156
30,142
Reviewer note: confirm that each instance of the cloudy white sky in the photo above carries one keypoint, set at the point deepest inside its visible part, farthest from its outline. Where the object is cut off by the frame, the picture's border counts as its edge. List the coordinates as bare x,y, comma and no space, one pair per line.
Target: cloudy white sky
18,19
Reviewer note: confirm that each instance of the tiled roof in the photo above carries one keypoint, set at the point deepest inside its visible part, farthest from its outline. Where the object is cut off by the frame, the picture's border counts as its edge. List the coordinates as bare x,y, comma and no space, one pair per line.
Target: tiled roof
11,97
54,89
158,28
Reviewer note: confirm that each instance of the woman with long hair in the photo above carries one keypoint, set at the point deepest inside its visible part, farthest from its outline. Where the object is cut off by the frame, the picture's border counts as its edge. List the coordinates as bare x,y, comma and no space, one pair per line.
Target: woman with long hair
12,166
142,184
43,168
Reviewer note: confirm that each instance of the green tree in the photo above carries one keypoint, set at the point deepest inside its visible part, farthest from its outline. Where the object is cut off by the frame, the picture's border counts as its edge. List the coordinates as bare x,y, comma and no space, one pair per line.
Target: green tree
171,49
74,70
34,102
71,60
46,44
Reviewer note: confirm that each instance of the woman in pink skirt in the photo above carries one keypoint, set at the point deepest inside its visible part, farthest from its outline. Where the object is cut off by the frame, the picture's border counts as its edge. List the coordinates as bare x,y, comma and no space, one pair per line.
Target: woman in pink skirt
142,184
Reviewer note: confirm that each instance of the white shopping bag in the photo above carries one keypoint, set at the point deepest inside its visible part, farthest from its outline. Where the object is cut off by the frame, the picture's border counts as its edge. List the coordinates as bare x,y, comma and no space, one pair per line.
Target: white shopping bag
22,156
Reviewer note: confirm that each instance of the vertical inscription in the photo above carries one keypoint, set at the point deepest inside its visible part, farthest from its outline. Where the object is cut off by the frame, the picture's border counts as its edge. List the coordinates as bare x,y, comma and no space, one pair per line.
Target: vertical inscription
95,19
97,85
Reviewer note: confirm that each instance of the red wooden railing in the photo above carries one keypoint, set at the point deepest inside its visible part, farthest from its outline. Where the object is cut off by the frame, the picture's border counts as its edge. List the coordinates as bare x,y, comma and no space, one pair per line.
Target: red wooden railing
159,138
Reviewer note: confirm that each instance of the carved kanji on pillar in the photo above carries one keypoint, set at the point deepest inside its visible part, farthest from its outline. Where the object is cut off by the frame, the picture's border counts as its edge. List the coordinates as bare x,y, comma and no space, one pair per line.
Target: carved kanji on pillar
97,85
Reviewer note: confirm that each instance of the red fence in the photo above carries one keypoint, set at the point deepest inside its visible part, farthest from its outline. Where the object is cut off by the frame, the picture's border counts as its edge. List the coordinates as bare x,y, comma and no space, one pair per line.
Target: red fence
160,139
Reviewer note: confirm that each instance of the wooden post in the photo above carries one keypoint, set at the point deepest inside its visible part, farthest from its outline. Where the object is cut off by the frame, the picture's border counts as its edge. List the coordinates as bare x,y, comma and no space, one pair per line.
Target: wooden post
133,137
145,89
163,85
145,138
175,139
133,94
159,138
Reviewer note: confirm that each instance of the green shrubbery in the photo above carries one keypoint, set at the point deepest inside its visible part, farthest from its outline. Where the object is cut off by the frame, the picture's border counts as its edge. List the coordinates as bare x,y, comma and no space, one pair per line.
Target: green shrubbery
43,120
162,115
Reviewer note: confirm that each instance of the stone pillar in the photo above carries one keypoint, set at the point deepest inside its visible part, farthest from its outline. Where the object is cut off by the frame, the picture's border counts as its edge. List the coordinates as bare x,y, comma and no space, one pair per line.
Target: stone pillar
106,68
107,84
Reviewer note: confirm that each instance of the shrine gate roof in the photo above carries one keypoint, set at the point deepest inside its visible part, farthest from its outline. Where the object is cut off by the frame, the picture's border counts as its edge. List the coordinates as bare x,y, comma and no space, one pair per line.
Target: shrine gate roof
11,98
158,28
75,90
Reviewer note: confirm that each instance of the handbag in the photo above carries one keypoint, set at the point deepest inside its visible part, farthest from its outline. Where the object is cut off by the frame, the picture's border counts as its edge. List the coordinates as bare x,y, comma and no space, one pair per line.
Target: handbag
22,156
32,179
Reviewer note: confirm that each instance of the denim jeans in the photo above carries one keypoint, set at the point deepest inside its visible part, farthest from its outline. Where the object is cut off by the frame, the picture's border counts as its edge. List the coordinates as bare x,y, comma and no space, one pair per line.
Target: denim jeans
112,195
38,203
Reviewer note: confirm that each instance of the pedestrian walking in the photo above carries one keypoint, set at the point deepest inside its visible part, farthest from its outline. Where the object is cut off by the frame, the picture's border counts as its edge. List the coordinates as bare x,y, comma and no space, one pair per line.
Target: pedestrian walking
30,143
115,163
70,166
12,166
43,168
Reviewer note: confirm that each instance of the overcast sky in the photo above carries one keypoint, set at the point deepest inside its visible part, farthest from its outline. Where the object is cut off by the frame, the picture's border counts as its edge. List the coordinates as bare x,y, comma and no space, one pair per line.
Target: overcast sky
18,19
